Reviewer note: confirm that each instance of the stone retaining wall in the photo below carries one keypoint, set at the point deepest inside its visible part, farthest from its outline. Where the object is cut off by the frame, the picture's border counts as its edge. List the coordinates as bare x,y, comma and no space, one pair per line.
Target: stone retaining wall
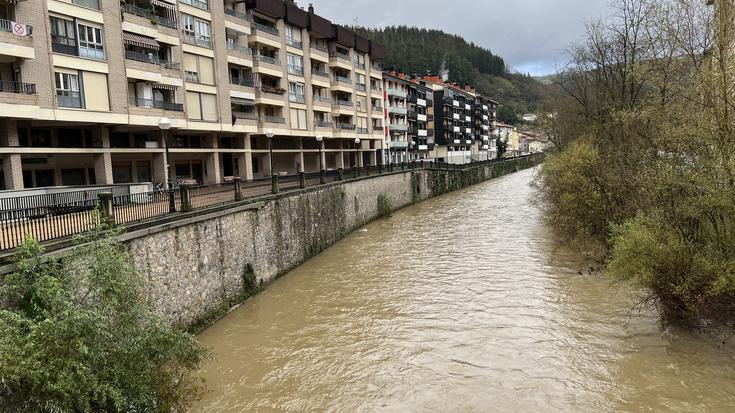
196,268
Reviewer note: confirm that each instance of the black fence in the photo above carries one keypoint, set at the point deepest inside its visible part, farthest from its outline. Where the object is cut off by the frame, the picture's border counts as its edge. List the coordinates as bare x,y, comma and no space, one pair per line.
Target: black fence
56,216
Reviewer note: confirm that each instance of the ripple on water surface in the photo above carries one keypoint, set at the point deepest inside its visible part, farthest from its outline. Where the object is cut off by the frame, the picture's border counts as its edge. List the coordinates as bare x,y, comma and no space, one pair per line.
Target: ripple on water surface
461,303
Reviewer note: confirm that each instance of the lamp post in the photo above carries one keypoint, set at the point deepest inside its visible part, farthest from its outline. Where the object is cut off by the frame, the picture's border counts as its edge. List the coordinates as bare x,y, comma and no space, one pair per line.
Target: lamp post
164,124
322,177
357,156
269,134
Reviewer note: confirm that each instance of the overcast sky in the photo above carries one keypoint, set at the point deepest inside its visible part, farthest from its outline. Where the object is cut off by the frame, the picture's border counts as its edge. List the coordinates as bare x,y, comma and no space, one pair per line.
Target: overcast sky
529,34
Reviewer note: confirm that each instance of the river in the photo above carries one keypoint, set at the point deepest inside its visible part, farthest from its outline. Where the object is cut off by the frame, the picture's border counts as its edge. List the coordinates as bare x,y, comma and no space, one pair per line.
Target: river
458,304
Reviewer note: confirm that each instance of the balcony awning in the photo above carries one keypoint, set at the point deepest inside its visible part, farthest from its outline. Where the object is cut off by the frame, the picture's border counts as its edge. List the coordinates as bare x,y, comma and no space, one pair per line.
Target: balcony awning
159,3
161,86
140,41
242,101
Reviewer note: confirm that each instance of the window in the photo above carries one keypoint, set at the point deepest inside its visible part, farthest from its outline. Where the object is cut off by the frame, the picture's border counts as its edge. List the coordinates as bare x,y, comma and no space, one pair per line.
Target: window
67,90
196,31
63,36
203,32
298,119
296,92
199,69
295,64
293,37
361,103
91,42
201,106
187,25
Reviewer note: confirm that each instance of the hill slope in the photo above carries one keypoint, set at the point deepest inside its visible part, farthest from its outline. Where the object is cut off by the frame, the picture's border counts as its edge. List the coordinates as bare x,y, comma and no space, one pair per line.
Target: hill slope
416,50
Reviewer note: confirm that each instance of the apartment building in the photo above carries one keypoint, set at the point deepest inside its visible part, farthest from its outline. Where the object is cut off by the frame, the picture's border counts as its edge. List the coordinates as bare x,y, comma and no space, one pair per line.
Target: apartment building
485,121
396,103
84,85
454,121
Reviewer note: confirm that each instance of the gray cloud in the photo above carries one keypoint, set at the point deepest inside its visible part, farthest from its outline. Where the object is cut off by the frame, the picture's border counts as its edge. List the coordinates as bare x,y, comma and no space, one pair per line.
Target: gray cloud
529,34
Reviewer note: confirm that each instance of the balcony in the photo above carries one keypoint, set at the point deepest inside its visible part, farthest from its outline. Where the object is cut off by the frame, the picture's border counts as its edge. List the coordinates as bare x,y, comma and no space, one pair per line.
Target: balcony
362,130
296,98
376,66
271,119
155,104
360,66
397,110
148,14
22,30
245,115
240,15
241,81
323,124
8,86
240,49
345,126
322,99
196,3
90,4
67,99
296,70
294,43
266,29
398,127
377,109
342,103
63,47
399,144
152,59
267,59
397,93
320,73
341,56
342,79
319,48
361,87
196,40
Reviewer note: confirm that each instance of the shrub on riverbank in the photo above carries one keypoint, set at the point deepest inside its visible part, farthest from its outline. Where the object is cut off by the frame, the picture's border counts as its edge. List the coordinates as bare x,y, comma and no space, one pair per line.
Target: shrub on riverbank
650,183
76,335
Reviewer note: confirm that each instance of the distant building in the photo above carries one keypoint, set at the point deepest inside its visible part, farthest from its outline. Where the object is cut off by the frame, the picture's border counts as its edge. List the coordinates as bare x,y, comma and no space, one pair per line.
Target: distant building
530,117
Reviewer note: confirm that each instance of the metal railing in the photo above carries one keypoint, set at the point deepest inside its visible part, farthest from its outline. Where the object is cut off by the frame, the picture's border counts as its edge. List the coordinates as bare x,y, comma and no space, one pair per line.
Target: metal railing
361,87
341,56
245,115
322,49
342,79
294,43
320,73
59,217
7,26
10,86
90,4
266,29
151,58
345,103
242,49
271,119
323,124
240,15
377,108
149,14
296,70
345,126
362,130
322,99
242,81
66,99
156,104
63,48
196,40
268,59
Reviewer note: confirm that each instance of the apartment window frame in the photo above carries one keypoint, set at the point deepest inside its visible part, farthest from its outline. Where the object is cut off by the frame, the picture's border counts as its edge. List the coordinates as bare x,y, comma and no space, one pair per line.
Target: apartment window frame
96,44
297,92
63,42
295,64
66,86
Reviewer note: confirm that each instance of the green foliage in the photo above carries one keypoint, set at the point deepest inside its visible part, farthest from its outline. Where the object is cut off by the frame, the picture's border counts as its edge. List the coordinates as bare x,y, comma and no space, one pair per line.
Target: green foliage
77,335
508,115
384,208
502,146
421,51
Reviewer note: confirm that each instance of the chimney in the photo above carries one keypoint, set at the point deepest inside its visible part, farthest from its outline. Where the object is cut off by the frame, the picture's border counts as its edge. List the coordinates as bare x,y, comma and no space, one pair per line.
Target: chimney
311,8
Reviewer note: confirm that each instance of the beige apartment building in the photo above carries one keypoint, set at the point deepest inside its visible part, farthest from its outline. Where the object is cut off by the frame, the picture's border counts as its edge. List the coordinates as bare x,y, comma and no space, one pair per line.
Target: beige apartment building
84,85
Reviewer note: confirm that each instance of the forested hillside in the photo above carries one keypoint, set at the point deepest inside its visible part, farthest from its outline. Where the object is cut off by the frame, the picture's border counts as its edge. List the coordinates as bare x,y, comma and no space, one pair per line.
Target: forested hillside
415,50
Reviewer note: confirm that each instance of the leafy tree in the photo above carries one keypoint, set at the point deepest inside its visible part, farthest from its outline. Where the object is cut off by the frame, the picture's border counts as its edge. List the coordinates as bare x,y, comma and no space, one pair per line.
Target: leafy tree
502,146
77,335
508,115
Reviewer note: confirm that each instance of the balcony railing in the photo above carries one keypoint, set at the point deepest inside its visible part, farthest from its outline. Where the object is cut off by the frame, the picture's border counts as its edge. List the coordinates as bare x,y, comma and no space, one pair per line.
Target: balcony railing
196,40
191,77
63,48
360,66
345,126
341,56
90,4
377,108
67,99
265,29
151,58
345,103
197,3
362,130
320,73
296,98
296,70
320,48
271,119
398,110
361,87
241,81
268,59
294,43
156,104
398,127
241,49
245,115
240,15
397,93
9,86
323,124
7,26
342,79
322,99
376,66
148,14
91,53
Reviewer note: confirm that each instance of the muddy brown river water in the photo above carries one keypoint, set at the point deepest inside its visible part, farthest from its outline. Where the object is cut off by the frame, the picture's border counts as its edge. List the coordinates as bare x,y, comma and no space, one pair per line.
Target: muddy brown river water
462,303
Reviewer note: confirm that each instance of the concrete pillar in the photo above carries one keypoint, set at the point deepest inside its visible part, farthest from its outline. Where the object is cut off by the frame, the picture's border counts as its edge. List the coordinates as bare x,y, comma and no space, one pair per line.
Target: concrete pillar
246,161
212,175
341,156
102,169
160,174
300,158
12,165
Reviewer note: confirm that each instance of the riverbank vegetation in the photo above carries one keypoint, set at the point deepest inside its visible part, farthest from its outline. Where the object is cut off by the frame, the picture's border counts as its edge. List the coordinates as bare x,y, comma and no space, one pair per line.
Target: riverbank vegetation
77,335
645,176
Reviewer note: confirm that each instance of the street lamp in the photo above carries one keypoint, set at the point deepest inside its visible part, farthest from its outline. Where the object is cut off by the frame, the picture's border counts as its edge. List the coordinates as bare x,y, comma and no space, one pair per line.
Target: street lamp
269,134
357,155
322,179
164,124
